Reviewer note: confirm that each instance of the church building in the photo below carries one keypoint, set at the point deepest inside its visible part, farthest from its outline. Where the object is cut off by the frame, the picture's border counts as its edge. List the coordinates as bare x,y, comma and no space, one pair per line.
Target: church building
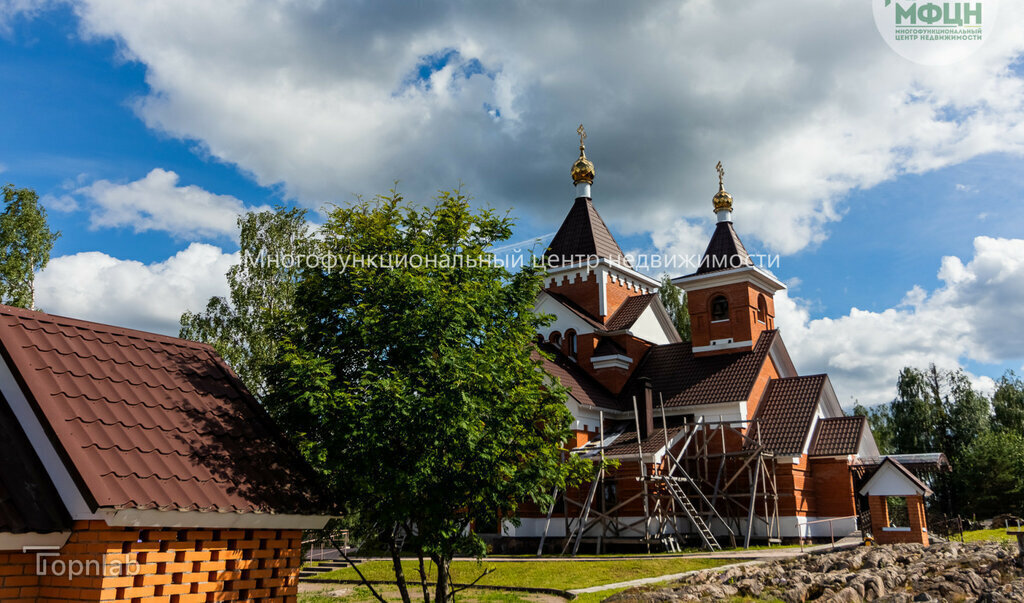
719,439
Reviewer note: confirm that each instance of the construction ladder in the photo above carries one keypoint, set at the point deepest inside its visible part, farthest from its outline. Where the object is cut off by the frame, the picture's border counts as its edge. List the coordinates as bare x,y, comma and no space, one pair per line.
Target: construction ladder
691,512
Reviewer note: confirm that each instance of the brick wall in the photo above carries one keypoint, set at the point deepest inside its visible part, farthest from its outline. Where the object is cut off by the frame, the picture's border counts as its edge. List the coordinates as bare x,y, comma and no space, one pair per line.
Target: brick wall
918,532
833,487
170,566
742,324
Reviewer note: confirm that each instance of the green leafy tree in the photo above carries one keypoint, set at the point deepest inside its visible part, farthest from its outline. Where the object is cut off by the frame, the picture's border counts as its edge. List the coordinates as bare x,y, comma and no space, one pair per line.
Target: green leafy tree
674,300
880,421
1008,404
939,411
25,244
411,381
246,328
991,468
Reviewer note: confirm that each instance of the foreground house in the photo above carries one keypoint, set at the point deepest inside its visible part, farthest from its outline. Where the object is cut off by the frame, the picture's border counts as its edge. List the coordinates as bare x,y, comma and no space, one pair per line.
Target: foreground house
137,467
717,438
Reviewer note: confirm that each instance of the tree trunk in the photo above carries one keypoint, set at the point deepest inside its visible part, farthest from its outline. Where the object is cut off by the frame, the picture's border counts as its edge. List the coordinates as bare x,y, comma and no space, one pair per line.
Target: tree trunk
396,560
424,578
441,592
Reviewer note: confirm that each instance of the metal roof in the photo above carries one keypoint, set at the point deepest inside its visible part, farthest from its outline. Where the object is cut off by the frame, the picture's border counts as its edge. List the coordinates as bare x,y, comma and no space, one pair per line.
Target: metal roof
146,421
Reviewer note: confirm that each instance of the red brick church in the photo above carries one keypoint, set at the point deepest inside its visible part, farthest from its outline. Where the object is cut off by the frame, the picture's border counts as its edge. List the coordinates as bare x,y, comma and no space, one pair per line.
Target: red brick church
718,439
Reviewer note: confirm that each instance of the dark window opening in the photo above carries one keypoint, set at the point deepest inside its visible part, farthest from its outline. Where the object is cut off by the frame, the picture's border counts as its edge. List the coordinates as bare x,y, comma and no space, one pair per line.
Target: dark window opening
762,309
719,308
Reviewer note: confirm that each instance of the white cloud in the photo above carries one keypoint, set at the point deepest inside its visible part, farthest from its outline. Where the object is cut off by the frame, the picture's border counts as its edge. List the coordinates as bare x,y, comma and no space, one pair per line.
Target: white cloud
975,315
802,104
156,202
61,203
151,297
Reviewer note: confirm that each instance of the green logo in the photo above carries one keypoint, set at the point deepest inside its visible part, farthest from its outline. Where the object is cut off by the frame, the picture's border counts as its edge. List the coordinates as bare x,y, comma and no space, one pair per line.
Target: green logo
934,33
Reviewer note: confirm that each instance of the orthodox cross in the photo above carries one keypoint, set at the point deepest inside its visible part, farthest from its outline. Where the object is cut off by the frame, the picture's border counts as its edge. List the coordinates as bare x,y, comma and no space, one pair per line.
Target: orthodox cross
582,133
721,174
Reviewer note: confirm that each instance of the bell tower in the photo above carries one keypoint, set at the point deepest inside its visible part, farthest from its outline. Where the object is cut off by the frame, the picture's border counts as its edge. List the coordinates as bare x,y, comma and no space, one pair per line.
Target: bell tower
731,301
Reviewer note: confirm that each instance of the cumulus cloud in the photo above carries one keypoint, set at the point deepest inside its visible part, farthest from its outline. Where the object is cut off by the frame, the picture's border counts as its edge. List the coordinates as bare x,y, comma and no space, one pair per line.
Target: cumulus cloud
156,202
802,104
975,314
151,297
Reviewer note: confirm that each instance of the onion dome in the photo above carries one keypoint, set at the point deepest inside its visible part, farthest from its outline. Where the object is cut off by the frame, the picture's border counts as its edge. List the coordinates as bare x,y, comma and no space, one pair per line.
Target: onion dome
583,169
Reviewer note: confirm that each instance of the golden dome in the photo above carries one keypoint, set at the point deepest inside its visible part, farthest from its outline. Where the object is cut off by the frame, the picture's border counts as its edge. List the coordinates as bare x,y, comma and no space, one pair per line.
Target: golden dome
722,199
583,169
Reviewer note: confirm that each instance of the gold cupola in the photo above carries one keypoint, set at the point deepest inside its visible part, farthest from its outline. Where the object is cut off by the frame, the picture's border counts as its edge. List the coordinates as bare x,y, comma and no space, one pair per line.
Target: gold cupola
722,199
583,169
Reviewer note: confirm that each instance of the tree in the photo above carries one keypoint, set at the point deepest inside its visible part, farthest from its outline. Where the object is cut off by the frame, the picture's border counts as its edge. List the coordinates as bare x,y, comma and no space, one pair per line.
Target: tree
1008,404
246,328
880,422
991,468
25,244
938,411
410,378
674,300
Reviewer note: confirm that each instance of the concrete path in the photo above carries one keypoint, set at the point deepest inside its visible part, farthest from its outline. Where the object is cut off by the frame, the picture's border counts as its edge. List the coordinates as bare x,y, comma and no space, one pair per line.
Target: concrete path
655,579
758,557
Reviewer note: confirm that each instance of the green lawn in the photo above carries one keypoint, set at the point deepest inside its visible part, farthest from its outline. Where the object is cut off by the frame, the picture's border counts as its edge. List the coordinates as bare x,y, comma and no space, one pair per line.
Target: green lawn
563,575
999,535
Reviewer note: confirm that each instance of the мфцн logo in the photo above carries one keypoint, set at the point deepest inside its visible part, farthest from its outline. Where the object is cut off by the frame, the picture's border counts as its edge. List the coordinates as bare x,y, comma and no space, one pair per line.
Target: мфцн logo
934,33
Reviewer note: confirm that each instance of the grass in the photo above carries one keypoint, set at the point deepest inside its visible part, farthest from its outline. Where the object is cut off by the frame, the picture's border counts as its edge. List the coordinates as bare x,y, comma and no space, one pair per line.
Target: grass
998,535
563,575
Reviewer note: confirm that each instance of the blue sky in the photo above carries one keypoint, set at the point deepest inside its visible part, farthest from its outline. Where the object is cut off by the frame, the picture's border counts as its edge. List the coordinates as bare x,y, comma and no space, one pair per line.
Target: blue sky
94,102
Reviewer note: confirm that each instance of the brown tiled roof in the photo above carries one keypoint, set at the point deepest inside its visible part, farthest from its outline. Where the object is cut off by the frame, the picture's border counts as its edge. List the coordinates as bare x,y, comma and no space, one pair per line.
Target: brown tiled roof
583,234
575,309
28,499
584,388
626,444
786,412
629,311
725,251
147,421
837,436
684,380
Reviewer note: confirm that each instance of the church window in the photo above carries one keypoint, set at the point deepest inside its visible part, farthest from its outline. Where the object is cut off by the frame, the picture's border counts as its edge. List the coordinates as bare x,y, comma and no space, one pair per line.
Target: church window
555,338
570,337
719,308
762,309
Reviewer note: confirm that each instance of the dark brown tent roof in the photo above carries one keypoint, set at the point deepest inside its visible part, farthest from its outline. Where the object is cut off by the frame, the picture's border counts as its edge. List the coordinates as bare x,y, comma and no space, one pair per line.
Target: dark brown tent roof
147,421
685,380
837,436
786,412
28,499
725,251
583,235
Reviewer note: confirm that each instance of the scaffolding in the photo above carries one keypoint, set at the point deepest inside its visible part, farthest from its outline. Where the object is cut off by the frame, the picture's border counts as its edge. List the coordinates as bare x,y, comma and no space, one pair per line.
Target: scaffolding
717,478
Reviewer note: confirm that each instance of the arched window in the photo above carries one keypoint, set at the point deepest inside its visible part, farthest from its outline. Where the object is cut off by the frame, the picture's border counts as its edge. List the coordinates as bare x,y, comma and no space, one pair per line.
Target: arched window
570,340
762,309
555,338
719,308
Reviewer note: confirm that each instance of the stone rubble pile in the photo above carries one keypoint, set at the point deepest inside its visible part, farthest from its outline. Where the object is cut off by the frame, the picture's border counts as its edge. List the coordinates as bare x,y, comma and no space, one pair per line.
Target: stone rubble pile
987,572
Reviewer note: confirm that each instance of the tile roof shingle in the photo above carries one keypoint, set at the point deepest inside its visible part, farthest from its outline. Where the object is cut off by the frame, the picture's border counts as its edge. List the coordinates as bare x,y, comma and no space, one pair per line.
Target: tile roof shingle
629,311
837,436
149,421
725,251
786,413
685,380
626,445
584,388
583,234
